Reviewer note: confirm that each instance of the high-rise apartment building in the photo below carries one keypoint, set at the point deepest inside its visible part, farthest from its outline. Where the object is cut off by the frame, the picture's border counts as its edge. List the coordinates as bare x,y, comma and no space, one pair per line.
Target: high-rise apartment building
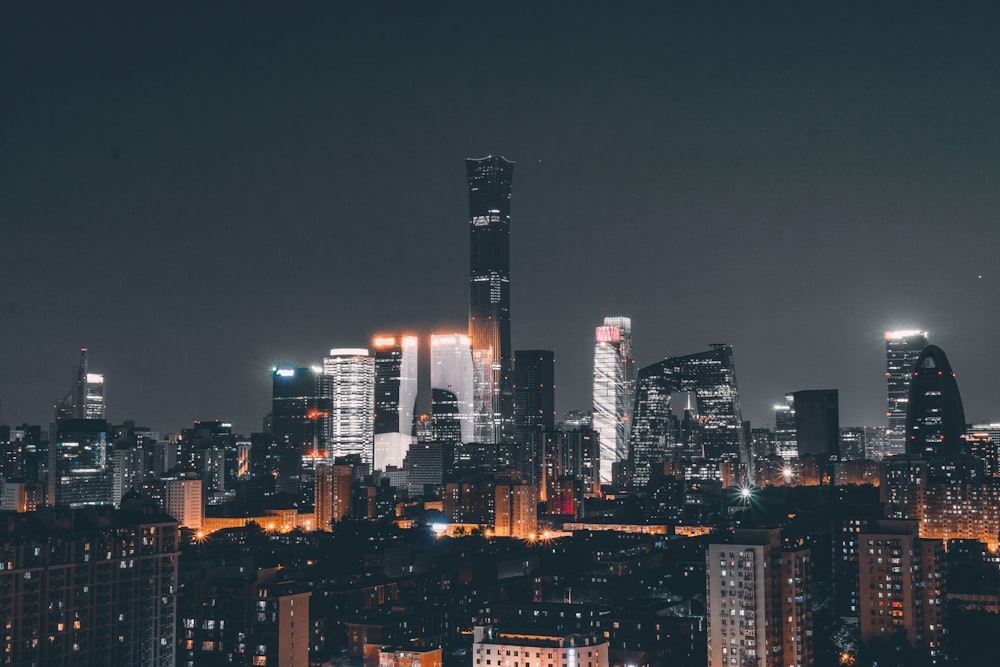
515,510
349,381
334,492
395,398
758,606
718,423
901,351
87,588
614,387
184,501
901,588
452,388
489,182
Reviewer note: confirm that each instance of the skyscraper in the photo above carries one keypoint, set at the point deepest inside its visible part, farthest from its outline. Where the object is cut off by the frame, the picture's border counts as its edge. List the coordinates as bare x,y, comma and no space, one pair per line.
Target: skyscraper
452,388
489,181
808,424
784,429
85,399
901,351
300,415
614,385
935,420
349,378
534,393
395,398
78,471
711,376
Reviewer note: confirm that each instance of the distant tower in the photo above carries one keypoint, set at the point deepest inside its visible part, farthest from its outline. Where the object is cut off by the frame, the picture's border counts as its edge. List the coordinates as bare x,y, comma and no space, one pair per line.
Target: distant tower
534,407
614,385
395,398
534,393
817,422
901,351
489,180
808,424
452,387
784,429
349,378
85,399
935,420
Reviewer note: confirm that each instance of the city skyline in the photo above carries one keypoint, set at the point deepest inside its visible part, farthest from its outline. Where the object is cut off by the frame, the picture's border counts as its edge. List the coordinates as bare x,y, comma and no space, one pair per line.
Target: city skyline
757,198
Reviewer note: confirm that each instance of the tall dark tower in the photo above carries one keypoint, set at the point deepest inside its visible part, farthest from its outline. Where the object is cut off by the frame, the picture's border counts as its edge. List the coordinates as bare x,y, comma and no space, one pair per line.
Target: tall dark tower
935,420
534,393
489,181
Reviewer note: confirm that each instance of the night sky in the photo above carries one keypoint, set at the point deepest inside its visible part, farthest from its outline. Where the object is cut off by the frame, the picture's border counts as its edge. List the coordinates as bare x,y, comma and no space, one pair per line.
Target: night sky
198,191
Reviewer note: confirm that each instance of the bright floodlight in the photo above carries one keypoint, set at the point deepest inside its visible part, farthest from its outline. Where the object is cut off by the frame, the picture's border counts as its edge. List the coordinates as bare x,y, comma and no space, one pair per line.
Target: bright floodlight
745,492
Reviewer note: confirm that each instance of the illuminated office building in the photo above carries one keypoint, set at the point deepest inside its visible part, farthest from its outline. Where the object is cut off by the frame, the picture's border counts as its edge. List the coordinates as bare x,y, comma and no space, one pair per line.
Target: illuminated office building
935,420
452,388
711,377
784,429
78,470
395,398
349,381
614,387
489,182
299,410
85,399
901,351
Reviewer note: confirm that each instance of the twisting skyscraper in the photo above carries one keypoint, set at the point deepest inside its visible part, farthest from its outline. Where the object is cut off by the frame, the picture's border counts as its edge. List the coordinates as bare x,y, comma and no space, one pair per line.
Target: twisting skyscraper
489,180
901,351
614,384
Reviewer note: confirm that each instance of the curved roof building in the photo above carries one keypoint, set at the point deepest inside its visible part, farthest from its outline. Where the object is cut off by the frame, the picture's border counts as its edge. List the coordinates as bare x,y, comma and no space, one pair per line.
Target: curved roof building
935,420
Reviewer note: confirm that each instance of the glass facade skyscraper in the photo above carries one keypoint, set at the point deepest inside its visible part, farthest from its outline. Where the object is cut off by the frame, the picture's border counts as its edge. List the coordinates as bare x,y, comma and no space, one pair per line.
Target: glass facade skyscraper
901,351
349,378
489,181
452,387
395,398
614,384
935,419
534,393
711,376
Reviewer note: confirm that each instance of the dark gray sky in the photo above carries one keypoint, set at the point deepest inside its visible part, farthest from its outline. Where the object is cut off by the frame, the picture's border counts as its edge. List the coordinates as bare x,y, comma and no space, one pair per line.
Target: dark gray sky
198,192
